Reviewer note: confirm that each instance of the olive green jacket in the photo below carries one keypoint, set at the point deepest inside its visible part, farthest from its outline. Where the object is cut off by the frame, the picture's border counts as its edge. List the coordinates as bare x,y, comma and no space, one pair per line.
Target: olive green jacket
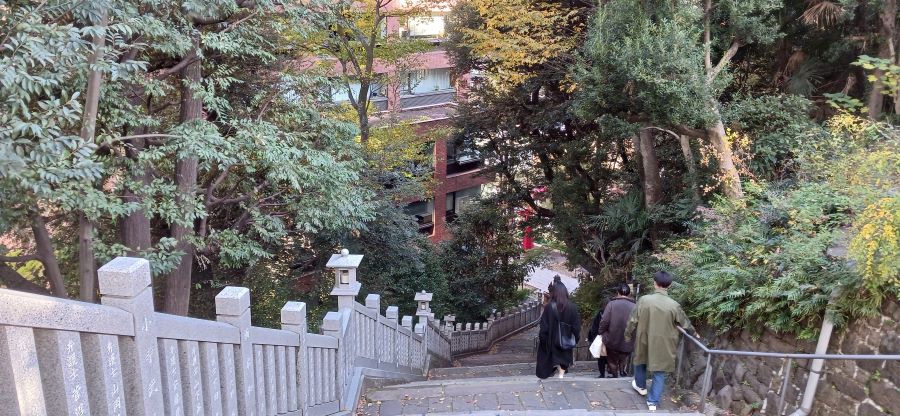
655,318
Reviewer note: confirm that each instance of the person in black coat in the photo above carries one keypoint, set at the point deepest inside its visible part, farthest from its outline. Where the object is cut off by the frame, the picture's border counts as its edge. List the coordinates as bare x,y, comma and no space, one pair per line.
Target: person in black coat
592,333
559,314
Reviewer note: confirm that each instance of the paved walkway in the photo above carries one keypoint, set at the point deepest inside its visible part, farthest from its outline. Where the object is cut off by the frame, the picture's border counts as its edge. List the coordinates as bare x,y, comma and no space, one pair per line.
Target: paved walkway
512,394
541,276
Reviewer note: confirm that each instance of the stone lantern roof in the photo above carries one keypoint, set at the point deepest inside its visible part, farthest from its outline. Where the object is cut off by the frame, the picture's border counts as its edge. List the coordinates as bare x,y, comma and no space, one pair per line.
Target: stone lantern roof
344,260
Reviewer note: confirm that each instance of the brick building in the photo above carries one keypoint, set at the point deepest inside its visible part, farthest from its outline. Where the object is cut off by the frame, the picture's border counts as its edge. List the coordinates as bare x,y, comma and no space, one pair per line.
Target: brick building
427,98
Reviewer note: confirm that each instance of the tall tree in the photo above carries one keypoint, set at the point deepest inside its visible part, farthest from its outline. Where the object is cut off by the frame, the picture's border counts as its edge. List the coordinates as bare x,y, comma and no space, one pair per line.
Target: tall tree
221,147
354,36
888,41
664,63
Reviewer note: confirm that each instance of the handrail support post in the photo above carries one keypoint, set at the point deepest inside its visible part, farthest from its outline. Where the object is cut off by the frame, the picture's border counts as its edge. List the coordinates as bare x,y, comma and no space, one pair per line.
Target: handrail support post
707,376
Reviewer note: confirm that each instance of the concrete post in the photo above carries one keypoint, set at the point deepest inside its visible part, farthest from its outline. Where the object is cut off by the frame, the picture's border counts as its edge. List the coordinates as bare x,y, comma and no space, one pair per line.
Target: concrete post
407,322
331,326
125,284
233,307
392,313
373,303
293,318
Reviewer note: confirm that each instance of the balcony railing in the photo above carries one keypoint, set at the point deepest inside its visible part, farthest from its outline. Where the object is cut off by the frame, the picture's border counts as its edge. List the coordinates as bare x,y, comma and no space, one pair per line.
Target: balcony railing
454,167
426,99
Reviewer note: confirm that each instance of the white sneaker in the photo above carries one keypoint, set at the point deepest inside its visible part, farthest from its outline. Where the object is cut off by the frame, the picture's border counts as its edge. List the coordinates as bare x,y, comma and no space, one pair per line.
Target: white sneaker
651,407
642,392
562,373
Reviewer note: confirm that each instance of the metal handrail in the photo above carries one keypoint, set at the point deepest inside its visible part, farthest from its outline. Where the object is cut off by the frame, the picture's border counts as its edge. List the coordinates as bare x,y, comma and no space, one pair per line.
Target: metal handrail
709,352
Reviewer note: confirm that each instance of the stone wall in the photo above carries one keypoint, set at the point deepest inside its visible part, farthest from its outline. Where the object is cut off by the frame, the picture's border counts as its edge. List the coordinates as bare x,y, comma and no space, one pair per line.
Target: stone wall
745,385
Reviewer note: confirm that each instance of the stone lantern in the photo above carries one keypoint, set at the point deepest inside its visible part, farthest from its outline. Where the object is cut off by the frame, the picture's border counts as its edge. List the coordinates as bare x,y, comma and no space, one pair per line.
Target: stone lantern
423,311
346,288
448,321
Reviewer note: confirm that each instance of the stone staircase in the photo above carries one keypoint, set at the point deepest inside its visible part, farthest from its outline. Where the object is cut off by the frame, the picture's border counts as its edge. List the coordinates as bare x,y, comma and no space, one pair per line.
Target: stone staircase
502,382
509,389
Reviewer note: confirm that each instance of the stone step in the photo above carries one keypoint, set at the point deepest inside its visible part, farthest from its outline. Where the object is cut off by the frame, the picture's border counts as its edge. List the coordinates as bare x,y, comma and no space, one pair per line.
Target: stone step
574,412
510,395
502,370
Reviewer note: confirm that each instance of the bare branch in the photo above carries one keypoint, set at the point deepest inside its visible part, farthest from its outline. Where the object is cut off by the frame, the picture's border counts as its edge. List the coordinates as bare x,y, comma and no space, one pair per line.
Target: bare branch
187,60
13,280
726,58
19,259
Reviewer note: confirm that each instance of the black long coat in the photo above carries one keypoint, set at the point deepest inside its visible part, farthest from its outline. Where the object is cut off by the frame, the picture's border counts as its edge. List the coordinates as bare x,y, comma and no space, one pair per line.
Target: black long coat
549,354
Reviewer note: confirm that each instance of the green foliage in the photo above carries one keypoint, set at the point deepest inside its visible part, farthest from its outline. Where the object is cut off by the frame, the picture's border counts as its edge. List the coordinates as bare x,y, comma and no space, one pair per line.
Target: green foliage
775,260
399,261
885,71
638,61
270,162
483,262
777,123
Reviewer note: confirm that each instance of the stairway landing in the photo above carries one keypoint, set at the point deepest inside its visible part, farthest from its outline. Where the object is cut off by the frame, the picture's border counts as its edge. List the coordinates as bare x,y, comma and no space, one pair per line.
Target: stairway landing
576,394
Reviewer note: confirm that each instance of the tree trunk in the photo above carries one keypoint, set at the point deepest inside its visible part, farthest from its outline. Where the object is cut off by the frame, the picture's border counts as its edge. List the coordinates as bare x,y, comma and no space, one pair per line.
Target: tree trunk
885,51
47,254
363,121
178,283
653,194
691,164
87,267
135,227
638,160
652,183
87,264
731,179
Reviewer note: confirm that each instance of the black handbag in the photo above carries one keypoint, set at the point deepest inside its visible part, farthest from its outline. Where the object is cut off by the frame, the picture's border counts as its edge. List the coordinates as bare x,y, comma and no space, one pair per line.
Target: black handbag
566,339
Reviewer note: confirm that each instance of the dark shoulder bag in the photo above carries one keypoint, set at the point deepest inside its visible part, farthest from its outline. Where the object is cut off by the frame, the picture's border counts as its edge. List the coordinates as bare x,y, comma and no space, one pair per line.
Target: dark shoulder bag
567,339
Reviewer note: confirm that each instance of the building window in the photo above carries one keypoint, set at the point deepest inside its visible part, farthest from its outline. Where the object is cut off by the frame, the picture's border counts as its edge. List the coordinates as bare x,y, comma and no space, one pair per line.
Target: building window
426,27
423,211
456,201
427,80
340,94
462,157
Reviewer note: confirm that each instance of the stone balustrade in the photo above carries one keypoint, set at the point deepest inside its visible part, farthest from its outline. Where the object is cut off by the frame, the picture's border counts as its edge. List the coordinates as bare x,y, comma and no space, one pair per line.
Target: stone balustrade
470,337
64,357
120,357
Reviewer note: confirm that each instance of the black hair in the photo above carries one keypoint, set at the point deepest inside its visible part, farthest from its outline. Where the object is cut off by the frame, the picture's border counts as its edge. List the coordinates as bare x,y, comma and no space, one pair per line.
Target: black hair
663,278
623,289
560,295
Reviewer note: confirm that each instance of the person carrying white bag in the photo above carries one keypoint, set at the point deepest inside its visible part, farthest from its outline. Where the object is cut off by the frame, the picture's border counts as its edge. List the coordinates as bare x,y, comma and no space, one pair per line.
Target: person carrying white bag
612,330
593,335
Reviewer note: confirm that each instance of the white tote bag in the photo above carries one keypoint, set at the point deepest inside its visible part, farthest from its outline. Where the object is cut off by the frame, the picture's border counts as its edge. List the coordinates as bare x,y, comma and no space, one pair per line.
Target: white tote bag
597,348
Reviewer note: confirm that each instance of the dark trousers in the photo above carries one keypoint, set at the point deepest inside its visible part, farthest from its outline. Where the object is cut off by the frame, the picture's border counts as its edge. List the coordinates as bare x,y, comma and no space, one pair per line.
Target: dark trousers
616,361
601,365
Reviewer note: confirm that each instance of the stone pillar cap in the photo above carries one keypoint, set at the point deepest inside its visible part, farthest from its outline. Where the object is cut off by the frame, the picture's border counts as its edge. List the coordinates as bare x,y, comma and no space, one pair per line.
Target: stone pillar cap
344,260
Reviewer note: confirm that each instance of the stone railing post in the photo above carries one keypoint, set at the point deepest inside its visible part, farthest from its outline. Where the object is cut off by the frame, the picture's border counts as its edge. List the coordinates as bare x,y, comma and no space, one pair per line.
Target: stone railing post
392,313
407,322
373,303
125,284
233,307
331,326
293,318
421,349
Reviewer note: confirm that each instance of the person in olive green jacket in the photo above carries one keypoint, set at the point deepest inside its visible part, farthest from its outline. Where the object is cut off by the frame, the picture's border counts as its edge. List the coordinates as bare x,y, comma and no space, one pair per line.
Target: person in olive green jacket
653,326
